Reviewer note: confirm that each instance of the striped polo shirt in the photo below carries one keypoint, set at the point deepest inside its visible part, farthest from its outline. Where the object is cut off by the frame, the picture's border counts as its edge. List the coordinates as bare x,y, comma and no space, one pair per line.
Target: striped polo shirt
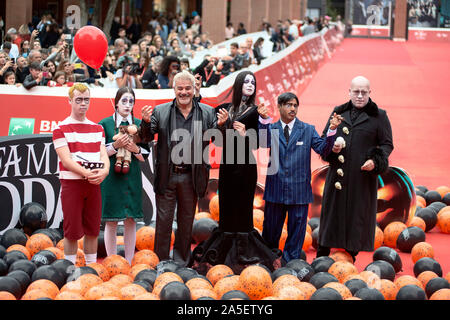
83,138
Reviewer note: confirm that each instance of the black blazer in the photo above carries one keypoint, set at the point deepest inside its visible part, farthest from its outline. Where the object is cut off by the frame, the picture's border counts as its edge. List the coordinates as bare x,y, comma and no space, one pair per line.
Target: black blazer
162,121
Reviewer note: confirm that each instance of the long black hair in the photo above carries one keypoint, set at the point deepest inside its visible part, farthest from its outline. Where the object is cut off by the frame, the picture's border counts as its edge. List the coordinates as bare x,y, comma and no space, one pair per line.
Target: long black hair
119,95
237,89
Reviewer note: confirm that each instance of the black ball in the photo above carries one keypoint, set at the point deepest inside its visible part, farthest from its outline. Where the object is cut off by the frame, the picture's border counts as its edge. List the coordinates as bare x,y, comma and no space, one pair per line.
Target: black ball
43,258
320,279
438,205
314,223
78,272
11,285
303,269
186,273
3,267
383,269
326,294
436,284
65,267
13,236
282,271
322,264
23,278
389,255
24,265
205,298
148,275
369,294
315,237
167,266
175,291
50,273
203,228
411,292
2,250
32,217
409,237
427,264
446,199
432,196
144,284
424,189
355,284
420,193
13,256
235,294
429,215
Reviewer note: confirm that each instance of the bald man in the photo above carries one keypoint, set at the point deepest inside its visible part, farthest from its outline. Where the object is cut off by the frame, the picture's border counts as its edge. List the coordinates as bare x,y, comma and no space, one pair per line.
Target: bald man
361,152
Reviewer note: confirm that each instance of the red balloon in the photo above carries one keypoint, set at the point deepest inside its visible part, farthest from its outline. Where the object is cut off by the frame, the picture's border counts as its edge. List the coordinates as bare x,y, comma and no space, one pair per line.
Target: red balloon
91,46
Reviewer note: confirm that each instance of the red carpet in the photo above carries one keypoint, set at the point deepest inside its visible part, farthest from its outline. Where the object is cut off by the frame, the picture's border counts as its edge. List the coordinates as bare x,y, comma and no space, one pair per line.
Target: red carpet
411,82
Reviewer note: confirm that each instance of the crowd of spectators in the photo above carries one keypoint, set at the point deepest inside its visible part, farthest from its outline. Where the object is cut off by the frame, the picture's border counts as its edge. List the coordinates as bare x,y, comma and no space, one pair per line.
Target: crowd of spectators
41,53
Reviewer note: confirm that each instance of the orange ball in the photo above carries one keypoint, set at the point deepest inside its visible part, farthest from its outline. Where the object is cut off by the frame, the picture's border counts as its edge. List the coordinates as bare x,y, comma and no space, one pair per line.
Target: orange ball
291,293
145,256
147,296
284,281
256,282
443,190
36,294
426,276
391,233
226,284
101,270
38,242
218,272
342,269
120,280
307,242
341,288
199,283
421,250
341,256
58,253
5,295
44,285
379,238
68,295
131,291
388,289
145,238
406,279
100,291
417,222
138,268
214,207
116,264
443,222
18,247
199,293
441,294
203,214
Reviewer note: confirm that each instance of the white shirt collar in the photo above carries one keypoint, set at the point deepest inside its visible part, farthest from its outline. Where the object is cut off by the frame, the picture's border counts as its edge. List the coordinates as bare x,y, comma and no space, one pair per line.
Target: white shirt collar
120,118
290,124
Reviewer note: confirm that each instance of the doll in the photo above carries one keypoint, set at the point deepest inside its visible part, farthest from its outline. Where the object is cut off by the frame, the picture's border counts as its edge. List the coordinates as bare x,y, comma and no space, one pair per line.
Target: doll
123,156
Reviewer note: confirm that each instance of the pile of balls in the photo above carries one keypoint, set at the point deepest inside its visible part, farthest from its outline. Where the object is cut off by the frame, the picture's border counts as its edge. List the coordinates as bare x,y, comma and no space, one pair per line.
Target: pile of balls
32,265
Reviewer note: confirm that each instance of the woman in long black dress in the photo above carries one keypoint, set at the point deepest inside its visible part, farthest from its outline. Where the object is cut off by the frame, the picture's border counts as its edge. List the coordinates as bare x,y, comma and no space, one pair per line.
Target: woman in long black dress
235,242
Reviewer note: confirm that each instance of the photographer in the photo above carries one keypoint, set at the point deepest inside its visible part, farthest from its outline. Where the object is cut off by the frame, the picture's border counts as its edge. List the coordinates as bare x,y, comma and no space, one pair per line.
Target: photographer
170,66
150,77
210,70
128,76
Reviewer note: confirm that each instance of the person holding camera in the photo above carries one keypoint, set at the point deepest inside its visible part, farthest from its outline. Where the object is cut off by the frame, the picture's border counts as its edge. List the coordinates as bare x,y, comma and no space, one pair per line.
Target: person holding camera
170,66
210,70
127,76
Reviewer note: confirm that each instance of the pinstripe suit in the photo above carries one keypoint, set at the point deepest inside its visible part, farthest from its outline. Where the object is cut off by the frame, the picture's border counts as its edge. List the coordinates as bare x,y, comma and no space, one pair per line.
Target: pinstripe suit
289,187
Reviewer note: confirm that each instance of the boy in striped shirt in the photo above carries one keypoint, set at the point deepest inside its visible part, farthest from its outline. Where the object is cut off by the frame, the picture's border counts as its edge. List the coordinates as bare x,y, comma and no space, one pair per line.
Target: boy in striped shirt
77,140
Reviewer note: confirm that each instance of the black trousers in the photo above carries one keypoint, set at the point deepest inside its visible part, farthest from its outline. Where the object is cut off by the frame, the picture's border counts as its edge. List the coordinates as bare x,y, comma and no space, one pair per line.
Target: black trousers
180,196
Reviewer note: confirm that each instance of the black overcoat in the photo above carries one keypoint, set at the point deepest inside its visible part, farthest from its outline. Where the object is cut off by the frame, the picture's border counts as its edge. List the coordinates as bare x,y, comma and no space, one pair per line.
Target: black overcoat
349,203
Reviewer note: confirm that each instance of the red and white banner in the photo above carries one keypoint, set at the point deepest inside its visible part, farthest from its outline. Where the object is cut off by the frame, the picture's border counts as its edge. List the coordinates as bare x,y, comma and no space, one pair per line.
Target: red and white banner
40,109
428,35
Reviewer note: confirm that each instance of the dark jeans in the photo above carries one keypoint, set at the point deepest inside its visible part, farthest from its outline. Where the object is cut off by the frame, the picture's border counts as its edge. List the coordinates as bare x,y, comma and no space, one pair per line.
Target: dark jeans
179,195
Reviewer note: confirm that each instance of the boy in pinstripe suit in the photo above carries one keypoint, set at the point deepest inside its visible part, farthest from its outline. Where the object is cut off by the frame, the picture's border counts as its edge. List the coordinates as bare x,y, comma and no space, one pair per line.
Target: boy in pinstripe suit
288,189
